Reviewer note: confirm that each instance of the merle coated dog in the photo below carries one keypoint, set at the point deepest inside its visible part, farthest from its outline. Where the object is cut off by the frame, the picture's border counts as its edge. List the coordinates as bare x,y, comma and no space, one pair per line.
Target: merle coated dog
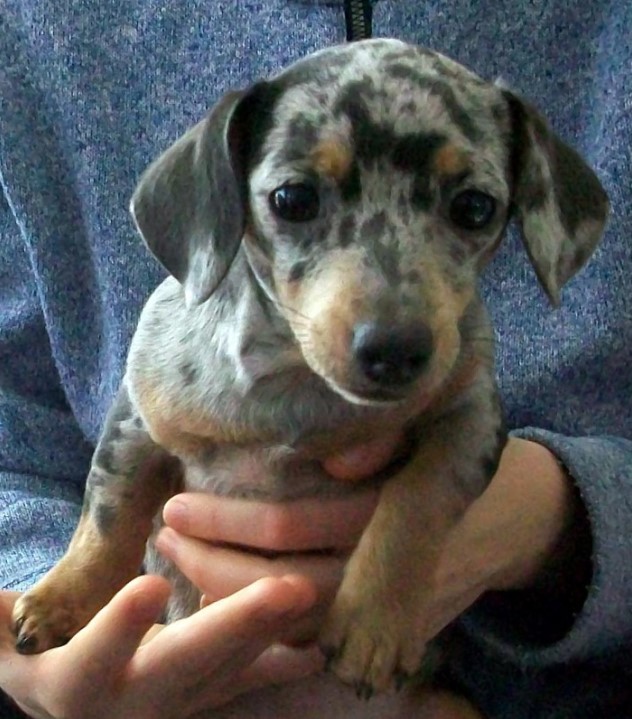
324,232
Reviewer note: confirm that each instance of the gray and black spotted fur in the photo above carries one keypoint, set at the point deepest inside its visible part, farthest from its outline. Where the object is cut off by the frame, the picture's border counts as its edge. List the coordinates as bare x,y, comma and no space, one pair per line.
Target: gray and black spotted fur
278,341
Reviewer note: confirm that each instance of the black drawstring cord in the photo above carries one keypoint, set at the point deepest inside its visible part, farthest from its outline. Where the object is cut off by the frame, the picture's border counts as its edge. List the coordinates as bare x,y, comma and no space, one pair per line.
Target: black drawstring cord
358,18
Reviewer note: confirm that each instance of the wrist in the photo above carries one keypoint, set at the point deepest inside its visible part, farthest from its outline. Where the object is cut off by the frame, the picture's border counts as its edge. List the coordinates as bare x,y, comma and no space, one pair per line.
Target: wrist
540,569
513,537
558,556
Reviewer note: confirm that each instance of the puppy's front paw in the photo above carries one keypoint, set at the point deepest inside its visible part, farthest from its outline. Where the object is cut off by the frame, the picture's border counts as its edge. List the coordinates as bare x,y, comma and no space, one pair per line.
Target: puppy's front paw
41,622
372,636
52,612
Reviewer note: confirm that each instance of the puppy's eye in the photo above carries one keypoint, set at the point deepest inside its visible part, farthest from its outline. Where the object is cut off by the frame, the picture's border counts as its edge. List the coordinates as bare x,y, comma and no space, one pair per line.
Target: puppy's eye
295,203
472,209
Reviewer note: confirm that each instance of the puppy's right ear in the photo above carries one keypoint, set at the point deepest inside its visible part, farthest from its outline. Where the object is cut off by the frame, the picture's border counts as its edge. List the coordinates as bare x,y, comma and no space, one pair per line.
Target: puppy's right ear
189,205
558,199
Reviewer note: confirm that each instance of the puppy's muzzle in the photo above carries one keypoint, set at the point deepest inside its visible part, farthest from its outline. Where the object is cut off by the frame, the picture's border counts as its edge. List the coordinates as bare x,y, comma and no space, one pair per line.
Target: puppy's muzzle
391,356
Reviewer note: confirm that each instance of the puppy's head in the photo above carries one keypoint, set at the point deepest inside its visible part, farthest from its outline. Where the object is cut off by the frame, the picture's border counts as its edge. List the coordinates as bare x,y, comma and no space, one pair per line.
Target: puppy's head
368,184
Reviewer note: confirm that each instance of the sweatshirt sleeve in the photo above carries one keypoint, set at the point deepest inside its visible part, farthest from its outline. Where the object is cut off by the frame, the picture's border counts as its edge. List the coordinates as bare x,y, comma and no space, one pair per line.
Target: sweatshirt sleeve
43,454
601,468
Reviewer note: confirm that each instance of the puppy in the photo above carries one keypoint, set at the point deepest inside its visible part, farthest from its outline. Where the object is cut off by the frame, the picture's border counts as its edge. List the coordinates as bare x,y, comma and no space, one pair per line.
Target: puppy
324,232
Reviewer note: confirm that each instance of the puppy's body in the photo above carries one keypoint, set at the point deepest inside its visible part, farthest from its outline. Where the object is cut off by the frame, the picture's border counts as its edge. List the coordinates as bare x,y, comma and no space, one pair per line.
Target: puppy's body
325,231
267,418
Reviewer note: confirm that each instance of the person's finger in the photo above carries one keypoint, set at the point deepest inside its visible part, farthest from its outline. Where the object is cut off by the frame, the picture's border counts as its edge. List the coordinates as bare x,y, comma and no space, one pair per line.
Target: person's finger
105,646
306,524
7,638
68,678
277,665
15,669
204,651
221,571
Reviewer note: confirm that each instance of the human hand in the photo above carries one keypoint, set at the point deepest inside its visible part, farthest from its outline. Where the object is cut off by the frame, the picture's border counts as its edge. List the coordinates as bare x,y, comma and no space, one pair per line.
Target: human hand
509,538
530,500
201,662
223,544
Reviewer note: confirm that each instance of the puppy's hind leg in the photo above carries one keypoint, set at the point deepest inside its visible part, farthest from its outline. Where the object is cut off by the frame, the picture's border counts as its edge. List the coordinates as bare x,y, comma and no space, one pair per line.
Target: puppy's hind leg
129,479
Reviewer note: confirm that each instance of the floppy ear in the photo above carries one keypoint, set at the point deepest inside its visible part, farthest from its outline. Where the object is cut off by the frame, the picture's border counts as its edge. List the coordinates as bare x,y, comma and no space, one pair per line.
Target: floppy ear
558,199
189,205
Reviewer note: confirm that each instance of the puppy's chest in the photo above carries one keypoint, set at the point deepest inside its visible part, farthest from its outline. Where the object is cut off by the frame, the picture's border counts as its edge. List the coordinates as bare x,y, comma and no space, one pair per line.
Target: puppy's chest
291,408
277,473
267,442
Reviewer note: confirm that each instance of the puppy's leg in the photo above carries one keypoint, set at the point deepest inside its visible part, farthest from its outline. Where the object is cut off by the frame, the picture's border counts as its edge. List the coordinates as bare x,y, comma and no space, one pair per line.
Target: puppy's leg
129,479
378,625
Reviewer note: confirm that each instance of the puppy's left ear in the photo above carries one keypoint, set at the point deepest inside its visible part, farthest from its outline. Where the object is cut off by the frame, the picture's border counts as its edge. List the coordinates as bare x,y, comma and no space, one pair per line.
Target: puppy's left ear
558,199
190,204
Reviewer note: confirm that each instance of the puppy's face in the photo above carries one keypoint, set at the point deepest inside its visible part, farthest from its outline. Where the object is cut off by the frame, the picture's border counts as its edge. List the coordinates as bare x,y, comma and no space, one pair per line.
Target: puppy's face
380,187
368,184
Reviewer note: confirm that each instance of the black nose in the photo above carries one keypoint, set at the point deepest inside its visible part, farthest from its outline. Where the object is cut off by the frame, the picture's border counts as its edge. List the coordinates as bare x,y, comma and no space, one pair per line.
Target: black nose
392,355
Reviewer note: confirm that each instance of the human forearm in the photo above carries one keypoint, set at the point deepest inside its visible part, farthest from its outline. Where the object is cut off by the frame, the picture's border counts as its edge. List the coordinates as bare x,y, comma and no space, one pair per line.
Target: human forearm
572,610
533,503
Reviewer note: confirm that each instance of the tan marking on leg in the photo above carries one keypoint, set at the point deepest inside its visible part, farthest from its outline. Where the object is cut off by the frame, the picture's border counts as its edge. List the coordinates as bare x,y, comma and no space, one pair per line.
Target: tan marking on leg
97,563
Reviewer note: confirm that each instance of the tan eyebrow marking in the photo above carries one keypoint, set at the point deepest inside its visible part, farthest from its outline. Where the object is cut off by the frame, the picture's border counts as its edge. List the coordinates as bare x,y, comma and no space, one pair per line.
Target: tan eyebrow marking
450,160
332,158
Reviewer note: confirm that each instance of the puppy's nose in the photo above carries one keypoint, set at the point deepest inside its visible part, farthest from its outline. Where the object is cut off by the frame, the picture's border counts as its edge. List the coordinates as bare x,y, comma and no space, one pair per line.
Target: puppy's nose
392,355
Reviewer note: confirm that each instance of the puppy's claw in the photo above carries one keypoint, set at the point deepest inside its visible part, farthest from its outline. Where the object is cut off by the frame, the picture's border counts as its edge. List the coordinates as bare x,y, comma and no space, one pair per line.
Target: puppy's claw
331,654
363,690
401,680
26,643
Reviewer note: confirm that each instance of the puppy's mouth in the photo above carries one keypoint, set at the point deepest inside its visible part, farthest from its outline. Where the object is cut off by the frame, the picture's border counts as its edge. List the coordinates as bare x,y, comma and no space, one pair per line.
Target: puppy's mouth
372,395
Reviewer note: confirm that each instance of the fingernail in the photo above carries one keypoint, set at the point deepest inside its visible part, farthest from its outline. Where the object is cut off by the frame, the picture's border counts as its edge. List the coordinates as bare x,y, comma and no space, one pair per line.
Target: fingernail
176,514
146,605
289,606
304,601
